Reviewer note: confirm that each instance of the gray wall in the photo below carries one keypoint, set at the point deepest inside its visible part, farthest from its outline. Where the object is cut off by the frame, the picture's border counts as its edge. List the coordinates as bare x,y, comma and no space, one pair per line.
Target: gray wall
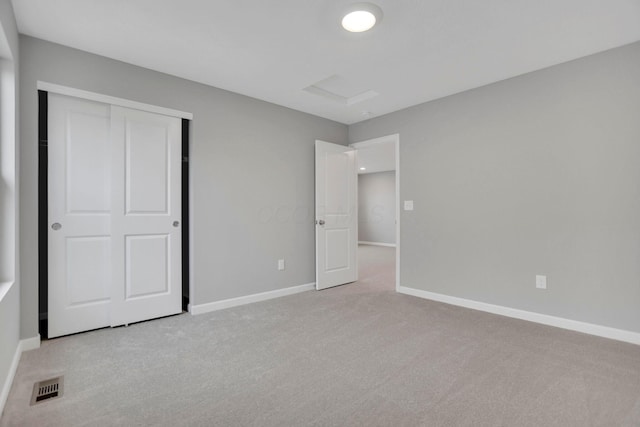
539,174
9,214
376,207
251,172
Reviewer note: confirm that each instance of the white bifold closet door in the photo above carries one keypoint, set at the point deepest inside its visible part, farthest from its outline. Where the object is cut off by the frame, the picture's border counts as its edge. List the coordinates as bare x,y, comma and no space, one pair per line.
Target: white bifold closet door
114,197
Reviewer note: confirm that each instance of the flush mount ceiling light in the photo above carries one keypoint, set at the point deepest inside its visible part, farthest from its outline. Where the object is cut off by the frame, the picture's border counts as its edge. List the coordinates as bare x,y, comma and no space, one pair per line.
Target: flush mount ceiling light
360,17
363,169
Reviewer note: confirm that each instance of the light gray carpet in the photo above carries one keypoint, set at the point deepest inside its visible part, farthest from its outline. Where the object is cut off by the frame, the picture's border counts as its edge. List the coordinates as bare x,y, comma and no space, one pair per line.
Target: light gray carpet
356,355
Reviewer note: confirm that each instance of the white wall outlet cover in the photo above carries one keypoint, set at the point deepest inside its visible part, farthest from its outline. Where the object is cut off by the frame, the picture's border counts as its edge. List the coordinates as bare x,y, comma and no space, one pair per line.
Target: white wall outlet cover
541,282
408,205
280,264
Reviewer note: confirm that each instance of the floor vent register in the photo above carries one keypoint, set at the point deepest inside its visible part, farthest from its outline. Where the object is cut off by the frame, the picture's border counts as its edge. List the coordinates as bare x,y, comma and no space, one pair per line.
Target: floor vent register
47,390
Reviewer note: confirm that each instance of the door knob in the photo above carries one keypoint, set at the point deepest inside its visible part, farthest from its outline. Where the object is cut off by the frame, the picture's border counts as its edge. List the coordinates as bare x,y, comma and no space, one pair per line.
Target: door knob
176,223
321,222
56,226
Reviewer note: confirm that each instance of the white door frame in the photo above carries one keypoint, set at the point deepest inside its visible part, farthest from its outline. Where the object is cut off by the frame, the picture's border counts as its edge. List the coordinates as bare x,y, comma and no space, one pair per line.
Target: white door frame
106,99
395,138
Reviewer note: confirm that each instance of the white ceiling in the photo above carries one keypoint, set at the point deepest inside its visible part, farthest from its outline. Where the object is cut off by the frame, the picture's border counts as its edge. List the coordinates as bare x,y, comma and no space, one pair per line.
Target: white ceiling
379,157
275,49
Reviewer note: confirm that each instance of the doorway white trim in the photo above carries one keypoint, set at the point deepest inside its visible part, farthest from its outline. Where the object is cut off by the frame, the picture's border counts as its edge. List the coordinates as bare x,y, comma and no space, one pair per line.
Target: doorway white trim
395,138
106,99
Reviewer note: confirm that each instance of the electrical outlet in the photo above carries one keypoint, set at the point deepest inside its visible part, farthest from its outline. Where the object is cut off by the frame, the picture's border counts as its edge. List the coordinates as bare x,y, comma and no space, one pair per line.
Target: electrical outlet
280,264
541,282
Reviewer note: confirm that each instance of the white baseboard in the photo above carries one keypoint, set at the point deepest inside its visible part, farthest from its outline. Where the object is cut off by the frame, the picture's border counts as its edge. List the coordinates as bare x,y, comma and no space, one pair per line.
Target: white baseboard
30,343
6,387
263,296
545,319
389,245
23,345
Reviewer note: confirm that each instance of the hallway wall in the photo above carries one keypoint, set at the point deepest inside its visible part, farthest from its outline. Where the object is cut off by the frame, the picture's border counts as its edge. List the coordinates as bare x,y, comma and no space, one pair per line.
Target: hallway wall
377,207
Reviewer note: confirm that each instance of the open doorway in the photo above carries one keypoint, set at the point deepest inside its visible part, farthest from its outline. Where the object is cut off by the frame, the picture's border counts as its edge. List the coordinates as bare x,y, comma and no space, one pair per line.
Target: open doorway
378,211
336,210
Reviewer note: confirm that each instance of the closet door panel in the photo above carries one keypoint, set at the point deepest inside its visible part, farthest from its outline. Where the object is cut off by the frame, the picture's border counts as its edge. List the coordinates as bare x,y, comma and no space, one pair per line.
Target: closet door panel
146,216
79,215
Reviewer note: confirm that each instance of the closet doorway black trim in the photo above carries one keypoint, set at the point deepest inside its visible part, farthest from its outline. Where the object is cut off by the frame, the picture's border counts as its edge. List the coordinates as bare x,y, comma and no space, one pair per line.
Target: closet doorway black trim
43,216
185,214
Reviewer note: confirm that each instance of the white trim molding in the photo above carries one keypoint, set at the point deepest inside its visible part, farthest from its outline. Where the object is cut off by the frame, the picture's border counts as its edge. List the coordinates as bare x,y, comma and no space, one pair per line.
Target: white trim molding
6,387
389,245
106,99
544,319
249,299
32,343
23,345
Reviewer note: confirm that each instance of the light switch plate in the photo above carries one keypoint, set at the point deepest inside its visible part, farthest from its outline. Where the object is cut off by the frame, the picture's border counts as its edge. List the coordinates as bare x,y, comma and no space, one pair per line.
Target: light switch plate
408,205
541,282
280,264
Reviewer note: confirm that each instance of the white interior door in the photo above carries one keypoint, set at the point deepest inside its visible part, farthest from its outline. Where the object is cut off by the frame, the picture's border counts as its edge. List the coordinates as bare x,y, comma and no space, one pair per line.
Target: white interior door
146,216
79,234
114,197
336,215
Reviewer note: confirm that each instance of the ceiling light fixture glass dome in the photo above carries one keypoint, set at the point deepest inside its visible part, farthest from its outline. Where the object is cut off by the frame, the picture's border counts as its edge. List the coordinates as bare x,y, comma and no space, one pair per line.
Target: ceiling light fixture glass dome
360,17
